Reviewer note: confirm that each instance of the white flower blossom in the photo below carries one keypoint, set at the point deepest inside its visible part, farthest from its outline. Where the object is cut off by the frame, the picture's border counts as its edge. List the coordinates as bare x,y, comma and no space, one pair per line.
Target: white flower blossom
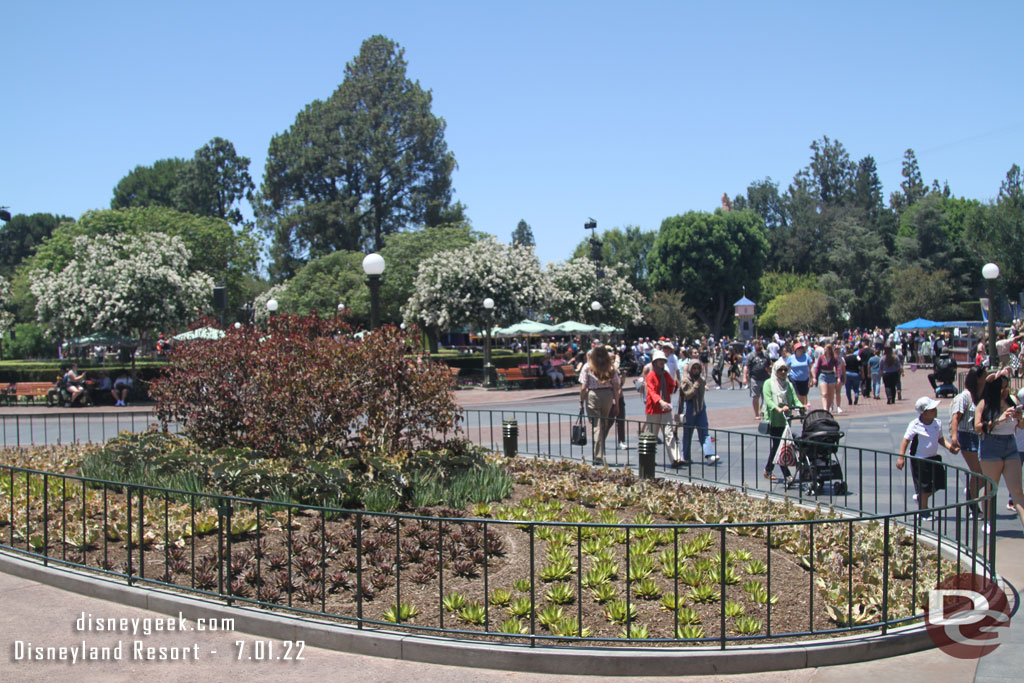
121,284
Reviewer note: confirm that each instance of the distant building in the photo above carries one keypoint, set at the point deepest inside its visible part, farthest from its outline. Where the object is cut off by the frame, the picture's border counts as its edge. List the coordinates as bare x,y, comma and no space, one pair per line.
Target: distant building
744,319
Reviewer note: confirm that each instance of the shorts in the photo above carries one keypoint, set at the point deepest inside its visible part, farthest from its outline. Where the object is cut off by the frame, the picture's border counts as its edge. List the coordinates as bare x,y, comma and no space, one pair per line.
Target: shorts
802,386
756,388
998,447
929,474
827,378
968,441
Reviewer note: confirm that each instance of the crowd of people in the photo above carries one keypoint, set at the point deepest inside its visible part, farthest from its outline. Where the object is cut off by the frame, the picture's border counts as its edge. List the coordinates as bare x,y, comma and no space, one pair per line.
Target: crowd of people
986,420
76,388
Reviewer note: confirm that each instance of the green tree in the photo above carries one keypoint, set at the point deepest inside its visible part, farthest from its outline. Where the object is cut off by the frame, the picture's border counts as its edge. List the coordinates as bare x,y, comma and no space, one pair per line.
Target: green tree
20,236
131,285
918,292
668,314
523,235
830,175
403,253
149,185
323,283
710,257
213,247
854,269
625,249
214,182
997,235
802,309
912,188
775,283
365,163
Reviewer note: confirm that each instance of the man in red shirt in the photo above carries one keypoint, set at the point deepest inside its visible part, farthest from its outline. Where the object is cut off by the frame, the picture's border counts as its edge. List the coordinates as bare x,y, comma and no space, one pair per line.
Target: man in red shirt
658,405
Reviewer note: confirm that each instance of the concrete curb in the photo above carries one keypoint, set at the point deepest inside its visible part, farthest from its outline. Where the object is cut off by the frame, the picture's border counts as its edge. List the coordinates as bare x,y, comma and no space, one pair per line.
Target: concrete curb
658,661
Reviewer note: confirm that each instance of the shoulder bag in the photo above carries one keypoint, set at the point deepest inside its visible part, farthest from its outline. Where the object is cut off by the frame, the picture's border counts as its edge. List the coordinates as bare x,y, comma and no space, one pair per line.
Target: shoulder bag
579,431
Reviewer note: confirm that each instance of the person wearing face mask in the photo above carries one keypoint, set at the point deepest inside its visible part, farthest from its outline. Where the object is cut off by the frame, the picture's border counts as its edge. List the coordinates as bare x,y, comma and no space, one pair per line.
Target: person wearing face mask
780,401
694,412
658,406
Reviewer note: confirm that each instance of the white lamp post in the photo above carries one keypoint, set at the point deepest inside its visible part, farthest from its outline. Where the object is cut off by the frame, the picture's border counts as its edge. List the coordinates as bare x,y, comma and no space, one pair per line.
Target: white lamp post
373,266
990,272
488,319
272,306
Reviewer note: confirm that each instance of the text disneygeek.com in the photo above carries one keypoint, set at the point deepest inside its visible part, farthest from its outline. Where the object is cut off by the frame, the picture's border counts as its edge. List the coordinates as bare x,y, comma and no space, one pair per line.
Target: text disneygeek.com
139,650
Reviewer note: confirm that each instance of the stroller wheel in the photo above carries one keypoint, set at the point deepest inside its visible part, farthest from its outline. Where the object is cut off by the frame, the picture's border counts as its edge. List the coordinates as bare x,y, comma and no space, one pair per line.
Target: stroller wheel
840,488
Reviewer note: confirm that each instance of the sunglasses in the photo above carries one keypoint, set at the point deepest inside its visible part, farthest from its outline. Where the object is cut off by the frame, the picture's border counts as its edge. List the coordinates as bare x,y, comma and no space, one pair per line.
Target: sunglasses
782,371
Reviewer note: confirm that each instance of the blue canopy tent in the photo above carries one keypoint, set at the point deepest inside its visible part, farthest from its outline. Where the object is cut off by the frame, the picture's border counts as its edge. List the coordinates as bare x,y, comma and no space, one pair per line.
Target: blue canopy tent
919,324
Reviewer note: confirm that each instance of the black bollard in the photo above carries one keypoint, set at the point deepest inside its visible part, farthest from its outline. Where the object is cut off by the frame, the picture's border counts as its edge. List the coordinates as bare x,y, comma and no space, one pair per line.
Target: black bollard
645,454
510,437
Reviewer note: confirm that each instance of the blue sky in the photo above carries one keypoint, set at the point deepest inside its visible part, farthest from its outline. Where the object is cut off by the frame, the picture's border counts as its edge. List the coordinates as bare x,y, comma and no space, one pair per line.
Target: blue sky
556,111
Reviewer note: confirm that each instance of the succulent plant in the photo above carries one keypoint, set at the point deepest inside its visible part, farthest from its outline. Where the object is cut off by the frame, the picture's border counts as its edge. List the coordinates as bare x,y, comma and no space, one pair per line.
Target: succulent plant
560,594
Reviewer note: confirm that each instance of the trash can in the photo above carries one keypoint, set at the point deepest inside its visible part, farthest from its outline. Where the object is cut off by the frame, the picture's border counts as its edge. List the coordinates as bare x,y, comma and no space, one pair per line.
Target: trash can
646,453
510,437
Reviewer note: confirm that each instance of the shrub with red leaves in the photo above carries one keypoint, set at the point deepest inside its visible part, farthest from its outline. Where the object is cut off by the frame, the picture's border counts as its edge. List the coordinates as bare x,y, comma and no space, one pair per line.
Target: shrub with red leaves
306,388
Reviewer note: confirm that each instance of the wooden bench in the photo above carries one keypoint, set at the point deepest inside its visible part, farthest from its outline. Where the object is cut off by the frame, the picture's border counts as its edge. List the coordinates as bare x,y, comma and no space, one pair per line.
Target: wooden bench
569,373
30,390
514,377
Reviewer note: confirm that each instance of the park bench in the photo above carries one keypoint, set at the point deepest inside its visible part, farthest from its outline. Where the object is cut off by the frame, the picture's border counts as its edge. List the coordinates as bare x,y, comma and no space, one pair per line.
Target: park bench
29,390
569,373
514,378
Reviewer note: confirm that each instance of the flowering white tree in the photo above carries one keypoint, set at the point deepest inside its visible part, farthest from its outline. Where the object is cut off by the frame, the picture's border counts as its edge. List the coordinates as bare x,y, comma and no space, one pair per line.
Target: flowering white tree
573,285
6,318
122,284
260,313
452,285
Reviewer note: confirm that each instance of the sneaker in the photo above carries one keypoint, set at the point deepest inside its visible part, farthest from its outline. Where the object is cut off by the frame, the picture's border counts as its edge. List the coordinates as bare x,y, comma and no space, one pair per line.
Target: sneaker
915,496
927,517
623,445
1010,506
676,464
712,459
839,410
856,400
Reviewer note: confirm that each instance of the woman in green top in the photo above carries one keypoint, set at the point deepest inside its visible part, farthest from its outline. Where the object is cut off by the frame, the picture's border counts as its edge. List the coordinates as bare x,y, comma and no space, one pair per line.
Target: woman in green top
779,401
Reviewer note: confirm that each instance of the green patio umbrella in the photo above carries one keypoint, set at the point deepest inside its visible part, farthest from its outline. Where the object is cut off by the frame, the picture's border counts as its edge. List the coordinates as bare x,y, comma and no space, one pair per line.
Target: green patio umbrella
573,327
102,339
527,328
208,333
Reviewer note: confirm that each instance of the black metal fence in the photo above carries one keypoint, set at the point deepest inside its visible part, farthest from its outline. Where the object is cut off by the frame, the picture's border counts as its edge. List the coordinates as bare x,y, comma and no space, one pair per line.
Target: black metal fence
77,427
528,573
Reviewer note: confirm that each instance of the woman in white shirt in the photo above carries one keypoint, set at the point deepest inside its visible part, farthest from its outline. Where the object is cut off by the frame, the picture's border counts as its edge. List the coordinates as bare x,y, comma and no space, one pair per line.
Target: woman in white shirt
961,427
997,419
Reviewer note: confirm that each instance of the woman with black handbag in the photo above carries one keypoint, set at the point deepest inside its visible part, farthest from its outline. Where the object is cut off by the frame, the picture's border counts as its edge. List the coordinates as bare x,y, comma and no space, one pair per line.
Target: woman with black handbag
600,391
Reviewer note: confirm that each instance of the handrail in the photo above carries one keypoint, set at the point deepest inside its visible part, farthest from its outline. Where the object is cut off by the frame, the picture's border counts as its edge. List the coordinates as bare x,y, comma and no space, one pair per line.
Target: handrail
343,552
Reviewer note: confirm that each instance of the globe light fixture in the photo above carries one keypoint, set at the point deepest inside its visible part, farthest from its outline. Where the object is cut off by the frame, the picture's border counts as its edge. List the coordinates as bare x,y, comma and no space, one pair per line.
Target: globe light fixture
373,266
990,271
272,306
489,379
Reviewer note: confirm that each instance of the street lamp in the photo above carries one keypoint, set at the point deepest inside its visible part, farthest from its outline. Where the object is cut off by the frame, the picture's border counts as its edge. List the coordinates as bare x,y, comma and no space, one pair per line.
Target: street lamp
990,272
488,368
373,266
272,307
341,308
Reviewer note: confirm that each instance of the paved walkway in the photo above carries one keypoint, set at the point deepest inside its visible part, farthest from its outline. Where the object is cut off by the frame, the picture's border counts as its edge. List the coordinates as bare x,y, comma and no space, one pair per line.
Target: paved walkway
32,612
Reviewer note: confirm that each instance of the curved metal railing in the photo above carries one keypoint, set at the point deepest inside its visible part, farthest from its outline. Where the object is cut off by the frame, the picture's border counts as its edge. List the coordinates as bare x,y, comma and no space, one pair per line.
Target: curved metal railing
350,566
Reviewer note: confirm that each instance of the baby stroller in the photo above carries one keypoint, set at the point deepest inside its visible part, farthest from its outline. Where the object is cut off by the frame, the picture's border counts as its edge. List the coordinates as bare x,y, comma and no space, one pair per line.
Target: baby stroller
817,446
